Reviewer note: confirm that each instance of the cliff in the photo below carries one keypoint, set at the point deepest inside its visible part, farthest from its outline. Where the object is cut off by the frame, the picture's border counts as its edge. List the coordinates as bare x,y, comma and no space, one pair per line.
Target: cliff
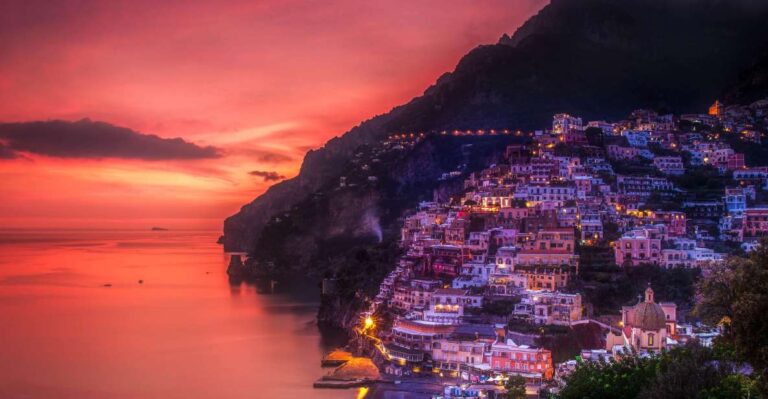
594,58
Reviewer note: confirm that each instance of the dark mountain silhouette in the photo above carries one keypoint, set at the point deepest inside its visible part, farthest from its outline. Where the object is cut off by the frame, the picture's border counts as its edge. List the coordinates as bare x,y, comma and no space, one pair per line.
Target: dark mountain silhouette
752,85
594,58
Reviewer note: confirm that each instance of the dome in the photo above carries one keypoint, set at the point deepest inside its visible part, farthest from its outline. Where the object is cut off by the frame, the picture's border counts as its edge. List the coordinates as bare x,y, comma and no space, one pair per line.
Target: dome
649,316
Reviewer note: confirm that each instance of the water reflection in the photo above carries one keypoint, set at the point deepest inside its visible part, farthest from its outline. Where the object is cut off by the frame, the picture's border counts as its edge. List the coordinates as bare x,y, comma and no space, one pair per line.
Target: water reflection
184,332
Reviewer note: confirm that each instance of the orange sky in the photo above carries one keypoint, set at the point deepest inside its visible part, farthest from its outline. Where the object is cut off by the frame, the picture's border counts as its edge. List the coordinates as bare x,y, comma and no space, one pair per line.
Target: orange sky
262,81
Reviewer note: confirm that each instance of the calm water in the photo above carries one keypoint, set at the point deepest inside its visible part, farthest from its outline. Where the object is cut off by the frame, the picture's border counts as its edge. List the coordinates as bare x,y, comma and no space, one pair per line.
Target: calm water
183,333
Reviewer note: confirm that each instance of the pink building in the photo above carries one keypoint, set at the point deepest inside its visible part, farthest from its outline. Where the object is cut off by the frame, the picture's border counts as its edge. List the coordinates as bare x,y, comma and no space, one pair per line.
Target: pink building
735,161
674,220
672,165
446,259
637,247
532,363
620,153
755,222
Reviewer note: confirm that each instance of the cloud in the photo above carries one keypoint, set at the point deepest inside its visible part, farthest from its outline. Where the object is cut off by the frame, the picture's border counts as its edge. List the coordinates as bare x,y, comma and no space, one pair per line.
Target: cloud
267,175
89,139
269,156
7,153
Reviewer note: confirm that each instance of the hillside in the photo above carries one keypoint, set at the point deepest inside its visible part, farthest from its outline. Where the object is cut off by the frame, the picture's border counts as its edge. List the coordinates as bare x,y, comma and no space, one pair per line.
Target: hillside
593,58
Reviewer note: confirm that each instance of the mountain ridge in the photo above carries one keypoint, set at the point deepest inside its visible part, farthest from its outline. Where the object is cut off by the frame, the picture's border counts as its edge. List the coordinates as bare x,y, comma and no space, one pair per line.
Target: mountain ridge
593,58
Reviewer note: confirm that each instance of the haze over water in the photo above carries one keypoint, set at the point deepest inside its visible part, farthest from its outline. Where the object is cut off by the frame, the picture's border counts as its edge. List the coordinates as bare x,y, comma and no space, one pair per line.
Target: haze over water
183,333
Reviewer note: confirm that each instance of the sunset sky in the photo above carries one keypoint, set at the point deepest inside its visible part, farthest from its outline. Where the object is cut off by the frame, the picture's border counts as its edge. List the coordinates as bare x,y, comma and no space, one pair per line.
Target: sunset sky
249,86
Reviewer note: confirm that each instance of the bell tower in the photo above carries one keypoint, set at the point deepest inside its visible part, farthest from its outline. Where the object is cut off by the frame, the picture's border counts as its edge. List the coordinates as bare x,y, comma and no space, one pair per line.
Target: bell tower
649,294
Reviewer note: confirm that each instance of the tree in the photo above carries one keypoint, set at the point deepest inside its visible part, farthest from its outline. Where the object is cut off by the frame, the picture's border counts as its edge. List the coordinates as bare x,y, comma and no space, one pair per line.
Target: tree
515,387
732,387
734,294
594,136
622,379
686,372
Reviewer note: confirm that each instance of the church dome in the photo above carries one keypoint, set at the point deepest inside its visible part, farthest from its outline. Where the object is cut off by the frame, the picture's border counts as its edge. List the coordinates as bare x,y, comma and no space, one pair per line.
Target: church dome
649,316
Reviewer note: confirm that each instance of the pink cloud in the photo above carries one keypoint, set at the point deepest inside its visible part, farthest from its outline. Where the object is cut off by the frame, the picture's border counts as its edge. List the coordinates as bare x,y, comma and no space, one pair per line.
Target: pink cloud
209,71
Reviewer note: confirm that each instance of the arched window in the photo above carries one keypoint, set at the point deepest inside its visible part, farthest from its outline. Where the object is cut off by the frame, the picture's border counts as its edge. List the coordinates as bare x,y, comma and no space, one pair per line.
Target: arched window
650,339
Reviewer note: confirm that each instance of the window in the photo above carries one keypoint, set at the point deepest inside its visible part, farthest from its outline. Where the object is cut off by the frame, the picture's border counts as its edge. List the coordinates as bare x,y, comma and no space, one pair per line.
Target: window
650,339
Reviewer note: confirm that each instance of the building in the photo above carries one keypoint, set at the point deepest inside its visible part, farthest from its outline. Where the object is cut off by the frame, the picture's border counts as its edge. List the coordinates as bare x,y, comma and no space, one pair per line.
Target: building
636,138
735,201
637,247
549,308
446,259
553,240
591,227
669,165
535,194
703,209
621,153
415,296
532,363
447,305
646,325
755,222
605,127
687,254
467,345
642,186
757,176
735,161
716,109
545,277
412,339
675,222
570,129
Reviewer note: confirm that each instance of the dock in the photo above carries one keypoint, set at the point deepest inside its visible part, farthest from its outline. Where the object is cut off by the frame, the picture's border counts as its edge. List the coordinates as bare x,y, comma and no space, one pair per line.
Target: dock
336,358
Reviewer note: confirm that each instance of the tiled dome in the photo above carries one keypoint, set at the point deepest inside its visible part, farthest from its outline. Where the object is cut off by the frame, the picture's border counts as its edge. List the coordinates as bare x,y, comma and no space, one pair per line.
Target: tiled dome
649,316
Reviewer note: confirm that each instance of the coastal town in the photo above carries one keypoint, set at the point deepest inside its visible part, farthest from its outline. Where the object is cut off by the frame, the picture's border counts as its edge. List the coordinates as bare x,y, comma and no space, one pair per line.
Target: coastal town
496,281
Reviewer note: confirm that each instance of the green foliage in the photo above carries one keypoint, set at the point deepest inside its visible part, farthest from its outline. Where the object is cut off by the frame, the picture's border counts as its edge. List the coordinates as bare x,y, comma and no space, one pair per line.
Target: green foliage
658,202
685,373
732,387
637,166
499,308
526,327
622,379
608,288
567,342
515,387
735,295
688,372
754,154
611,231
659,151
361,268
702,183
594,136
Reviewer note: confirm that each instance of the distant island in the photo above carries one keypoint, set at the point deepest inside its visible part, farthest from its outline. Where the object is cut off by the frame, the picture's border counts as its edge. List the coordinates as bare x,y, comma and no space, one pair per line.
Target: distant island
158,229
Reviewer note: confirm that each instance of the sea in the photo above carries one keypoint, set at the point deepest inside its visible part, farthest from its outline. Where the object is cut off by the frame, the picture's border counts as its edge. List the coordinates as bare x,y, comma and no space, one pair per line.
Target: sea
150,314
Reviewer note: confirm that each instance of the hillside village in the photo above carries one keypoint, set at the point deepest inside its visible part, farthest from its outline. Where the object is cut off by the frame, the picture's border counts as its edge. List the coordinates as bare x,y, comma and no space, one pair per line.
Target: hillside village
499,280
